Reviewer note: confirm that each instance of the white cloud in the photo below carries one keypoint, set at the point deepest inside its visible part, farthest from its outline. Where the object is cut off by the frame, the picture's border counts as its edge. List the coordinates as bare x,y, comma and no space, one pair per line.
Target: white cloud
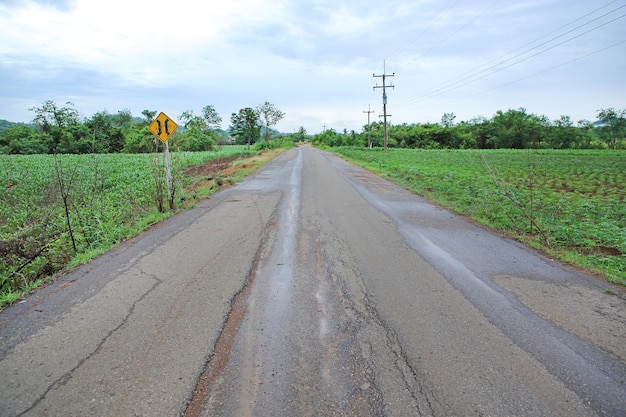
313,58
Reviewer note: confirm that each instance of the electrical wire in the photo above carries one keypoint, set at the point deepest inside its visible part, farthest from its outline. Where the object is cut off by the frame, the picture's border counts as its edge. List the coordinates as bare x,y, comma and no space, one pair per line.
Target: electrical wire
538,73
497,68
474,75
531,42
463,26
417,36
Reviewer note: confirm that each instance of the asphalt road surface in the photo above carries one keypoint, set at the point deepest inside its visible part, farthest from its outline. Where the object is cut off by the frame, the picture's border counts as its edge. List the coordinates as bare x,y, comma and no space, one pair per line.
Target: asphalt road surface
315,288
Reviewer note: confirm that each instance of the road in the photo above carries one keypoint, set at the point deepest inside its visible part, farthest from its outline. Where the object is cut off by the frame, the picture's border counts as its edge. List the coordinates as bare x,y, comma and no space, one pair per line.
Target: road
315,288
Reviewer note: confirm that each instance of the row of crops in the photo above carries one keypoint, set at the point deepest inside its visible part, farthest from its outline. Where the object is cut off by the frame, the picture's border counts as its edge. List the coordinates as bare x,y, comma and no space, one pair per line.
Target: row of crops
57,209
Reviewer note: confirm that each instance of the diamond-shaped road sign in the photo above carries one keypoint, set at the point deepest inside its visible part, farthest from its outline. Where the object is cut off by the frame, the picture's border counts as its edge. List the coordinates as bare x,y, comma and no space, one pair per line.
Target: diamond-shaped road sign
163,127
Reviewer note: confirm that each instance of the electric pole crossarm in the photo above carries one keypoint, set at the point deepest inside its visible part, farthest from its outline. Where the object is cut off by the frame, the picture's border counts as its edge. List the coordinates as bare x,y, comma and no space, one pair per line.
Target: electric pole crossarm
384,87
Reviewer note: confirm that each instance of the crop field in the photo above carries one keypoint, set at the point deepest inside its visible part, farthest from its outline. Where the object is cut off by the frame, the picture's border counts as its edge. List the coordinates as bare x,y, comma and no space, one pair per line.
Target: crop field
57,210
569,204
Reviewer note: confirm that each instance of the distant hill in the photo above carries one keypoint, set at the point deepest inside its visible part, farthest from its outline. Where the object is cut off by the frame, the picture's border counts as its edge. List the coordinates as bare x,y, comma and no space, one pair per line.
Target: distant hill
6,125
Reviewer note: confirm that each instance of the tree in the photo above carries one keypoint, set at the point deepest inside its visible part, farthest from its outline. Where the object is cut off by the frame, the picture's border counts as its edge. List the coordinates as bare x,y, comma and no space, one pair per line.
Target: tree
138,139
211,117
21,139
614,129
517,129
584,133
300,135
447,120
77,139
245,126
376,133
53,120
103,133
50,115
149,114
199,134
121,124
328,138
122,119
564,133
270,115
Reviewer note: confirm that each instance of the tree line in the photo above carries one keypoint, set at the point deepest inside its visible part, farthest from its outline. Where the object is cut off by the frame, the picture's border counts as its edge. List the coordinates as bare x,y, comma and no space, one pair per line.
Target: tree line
59,129
515,129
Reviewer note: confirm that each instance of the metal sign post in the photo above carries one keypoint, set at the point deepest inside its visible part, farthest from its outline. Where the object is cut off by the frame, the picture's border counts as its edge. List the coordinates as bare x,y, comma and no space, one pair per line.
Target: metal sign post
168,176
163,127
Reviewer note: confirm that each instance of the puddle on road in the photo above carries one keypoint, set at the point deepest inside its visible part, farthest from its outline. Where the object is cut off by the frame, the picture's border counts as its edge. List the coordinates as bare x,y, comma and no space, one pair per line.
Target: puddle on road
603,318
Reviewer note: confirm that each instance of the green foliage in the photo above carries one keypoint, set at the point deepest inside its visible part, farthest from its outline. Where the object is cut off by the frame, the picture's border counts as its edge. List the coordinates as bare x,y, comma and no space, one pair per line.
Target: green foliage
515,129
138,139
21,139
273,144
512,129
49,116
563,135
614,129
58,129
199,131
330,138
108,131
245,126
569,203
270,115
300,135
108,197
5,125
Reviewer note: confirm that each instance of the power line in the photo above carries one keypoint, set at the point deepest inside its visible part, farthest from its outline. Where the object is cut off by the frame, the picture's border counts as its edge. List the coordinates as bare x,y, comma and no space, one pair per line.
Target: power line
539,38
463,26
415,37
540,72
476,76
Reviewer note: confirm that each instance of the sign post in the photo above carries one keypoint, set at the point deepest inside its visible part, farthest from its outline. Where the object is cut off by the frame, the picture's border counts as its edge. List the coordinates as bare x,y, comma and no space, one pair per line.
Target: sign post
163,127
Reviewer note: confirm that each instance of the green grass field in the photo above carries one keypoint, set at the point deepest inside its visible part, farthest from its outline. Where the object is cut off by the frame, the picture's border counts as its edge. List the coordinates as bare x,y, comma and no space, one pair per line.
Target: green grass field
569,204
103,199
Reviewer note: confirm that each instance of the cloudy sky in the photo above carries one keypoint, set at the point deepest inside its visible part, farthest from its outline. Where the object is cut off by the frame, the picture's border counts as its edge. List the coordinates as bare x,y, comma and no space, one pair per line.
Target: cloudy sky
314,59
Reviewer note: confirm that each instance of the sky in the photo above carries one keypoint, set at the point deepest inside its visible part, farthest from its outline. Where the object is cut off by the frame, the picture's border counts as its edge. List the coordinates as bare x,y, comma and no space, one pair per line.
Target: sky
315,59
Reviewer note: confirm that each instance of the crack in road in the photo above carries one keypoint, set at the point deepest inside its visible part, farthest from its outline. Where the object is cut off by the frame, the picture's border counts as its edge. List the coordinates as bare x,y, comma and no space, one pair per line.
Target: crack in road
369,325
65,378
219,355
418,390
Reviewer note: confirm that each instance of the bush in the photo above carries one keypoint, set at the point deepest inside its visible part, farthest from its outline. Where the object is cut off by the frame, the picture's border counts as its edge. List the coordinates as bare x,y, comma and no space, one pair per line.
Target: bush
273,144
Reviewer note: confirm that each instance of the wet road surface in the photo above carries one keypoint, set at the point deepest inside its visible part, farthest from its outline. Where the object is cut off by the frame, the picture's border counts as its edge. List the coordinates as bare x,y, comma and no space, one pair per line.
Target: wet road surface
316,288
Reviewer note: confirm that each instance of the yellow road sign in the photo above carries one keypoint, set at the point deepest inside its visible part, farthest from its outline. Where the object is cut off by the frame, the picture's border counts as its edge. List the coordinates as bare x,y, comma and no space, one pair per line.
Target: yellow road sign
163,127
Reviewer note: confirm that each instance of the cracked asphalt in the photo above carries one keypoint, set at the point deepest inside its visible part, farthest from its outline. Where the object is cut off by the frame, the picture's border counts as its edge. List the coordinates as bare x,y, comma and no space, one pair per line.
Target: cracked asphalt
317,288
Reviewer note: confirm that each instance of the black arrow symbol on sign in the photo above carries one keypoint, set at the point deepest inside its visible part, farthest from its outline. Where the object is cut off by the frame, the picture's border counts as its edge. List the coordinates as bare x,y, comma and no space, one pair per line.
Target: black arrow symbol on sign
167,126
158,127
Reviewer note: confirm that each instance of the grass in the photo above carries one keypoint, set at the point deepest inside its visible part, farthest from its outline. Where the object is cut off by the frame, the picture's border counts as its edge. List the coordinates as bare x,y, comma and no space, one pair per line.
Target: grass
108,198
569,204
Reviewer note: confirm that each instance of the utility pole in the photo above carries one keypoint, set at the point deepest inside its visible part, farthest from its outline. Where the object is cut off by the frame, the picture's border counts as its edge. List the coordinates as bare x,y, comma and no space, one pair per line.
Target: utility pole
369,128
384,87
